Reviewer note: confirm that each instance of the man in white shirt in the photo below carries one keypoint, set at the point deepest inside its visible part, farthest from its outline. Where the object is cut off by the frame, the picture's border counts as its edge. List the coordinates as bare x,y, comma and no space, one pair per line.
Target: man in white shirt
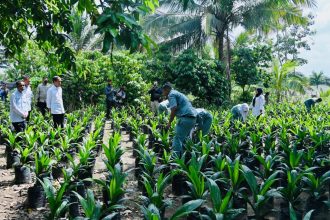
18,107
42,95
29,94
55,102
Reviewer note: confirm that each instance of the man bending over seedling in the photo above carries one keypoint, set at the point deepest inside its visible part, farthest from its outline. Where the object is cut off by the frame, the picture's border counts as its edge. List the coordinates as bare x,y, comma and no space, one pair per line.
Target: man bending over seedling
164,107
181,108
203,121
310,103
240,112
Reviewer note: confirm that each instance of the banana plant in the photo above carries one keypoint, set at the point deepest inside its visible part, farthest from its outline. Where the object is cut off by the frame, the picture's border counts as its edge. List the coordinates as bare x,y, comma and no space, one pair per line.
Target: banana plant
57,203
221,207
261,193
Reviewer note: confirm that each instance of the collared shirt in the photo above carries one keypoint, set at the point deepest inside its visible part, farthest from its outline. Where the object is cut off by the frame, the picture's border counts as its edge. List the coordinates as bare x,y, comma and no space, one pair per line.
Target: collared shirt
54,100
42,92
29,95
259,106
182,103
164,106
19,106
110,93
121,95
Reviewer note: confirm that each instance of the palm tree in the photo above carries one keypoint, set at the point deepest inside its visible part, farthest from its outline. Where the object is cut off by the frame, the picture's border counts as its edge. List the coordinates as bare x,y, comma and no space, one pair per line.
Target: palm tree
317,79
83,35
286,79
211,21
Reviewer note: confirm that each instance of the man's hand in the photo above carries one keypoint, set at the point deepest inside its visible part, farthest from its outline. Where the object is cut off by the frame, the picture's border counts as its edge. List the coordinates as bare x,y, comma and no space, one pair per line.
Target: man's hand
25,115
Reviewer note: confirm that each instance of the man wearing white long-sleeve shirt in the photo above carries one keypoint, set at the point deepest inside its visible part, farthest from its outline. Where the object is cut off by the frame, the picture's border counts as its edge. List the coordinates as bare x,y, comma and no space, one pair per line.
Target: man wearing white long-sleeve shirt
29,94
19,107
42,95
55,102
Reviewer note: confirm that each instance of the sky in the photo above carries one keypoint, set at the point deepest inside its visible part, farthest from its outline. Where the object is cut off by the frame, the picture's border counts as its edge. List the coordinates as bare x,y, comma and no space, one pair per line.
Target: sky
319,55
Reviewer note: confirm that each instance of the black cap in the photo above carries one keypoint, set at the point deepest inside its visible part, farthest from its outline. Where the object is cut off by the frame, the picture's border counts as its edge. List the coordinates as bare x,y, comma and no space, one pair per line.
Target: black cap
167,85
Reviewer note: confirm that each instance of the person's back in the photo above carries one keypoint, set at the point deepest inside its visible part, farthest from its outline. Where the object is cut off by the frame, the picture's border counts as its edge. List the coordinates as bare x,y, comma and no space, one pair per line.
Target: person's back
310,103
164,107
203,120
184,107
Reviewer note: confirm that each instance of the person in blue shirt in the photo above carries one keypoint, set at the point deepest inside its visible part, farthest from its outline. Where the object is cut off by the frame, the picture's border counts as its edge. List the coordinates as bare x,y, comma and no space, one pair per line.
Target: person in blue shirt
310,103
164,107
182,109
203,121
110,93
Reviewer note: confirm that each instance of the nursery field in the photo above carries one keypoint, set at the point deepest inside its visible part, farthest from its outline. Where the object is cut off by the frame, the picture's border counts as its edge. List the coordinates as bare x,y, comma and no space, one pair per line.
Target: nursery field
276,167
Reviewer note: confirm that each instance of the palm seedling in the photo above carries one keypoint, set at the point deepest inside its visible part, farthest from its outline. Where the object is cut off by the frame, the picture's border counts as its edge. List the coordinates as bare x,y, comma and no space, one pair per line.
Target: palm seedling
57,203
221,206
155,194
261,194
113,151
43,164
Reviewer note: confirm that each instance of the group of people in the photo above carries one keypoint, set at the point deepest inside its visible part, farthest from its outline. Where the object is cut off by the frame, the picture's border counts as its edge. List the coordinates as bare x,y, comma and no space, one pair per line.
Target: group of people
114,97
48,98
189,118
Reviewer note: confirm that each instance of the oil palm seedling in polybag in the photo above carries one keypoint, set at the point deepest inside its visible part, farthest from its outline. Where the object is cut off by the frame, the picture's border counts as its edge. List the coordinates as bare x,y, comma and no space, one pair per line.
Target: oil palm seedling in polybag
43,162
22,169
317,188
262,194
268,164
113,151
113,191
155,194
12,143
92,208
221,205
56,200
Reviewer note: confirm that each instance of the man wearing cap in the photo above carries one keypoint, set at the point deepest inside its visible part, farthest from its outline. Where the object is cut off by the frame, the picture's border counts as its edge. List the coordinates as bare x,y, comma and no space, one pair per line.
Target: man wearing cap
181,108
240,112
155,95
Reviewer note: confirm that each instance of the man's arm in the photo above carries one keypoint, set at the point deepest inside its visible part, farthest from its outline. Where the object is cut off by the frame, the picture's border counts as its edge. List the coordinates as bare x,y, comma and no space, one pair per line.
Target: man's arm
172,115
48,98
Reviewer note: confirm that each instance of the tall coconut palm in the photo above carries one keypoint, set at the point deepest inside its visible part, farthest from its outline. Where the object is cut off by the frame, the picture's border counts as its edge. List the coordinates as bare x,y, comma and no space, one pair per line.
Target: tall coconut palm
317,79
198,22
285,79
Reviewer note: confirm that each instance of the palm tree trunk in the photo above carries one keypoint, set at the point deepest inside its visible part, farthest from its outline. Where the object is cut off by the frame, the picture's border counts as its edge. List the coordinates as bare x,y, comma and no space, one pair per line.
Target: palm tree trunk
220,40
228,57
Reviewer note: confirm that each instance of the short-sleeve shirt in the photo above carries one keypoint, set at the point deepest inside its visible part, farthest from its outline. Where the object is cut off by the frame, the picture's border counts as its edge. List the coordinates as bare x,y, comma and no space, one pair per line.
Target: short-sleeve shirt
184,107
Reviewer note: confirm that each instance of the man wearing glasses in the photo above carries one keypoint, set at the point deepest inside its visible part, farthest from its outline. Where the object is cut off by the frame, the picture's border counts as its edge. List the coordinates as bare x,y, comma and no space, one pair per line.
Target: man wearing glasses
19,107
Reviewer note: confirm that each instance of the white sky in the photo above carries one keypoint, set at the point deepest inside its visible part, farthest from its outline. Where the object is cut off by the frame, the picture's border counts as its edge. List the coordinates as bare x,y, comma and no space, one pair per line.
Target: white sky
319,55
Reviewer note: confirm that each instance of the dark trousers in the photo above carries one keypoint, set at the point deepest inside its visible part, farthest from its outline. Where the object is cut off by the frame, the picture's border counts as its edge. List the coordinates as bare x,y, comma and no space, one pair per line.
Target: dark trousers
110,105
58,120
19,126
42,107
28,116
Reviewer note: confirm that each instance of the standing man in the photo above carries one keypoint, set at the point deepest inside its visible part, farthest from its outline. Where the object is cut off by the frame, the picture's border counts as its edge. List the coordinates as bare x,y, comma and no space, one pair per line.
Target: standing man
310,103
19,107
55,102
120,96
4,92
181,108
29,94
155,95
42,95
110,97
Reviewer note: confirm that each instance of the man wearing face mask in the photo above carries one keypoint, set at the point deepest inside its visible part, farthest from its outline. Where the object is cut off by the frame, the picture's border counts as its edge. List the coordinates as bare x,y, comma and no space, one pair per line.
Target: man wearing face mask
42,95
19,105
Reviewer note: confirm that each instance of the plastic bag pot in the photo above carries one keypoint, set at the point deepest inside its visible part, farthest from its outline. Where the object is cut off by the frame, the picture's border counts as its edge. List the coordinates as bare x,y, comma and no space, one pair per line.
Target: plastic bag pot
36,197
12,158
57,170
73,206
179,185
22,174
